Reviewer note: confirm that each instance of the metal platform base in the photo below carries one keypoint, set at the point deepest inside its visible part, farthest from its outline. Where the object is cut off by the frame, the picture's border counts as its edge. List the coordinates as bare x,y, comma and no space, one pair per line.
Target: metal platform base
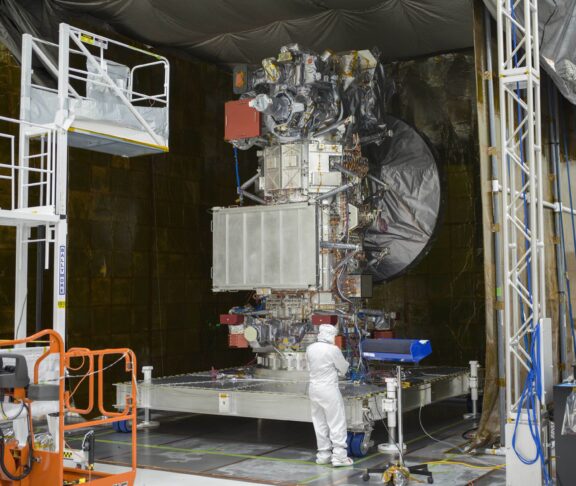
124,141
242,392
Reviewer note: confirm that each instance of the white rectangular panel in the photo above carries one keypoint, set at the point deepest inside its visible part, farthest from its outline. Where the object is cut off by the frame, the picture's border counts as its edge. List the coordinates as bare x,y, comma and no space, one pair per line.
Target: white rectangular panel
271,247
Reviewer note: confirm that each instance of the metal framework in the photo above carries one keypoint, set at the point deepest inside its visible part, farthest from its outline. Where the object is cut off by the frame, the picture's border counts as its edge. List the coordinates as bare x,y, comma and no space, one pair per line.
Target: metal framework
522,231
32,175
523,258
94,100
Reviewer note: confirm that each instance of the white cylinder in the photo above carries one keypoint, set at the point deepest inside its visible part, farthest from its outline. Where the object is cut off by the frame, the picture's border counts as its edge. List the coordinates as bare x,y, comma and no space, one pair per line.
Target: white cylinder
474,380
145,391
391,403
391,387
147,372
392,421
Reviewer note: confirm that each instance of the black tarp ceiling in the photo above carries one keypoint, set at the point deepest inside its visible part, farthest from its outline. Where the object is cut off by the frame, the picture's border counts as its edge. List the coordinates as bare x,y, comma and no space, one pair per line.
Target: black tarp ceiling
228,31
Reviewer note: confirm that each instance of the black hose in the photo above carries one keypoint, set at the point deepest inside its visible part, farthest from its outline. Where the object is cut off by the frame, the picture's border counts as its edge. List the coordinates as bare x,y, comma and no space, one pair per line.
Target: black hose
28,468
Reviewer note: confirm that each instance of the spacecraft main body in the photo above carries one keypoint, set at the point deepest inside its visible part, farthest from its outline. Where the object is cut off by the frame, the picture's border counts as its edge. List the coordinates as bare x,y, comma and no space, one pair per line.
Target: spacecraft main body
345,196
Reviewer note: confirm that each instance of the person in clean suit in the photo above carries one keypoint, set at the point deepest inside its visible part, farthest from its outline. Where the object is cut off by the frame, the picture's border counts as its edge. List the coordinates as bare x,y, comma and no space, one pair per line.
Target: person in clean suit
325,363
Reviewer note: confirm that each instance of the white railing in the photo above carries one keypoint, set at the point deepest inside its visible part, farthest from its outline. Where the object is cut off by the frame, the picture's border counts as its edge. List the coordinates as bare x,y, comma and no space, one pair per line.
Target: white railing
27,176
94,76
92,50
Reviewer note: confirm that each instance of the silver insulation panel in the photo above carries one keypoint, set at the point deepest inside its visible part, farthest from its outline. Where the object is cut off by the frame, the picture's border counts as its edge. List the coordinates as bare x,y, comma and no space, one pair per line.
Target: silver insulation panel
264,247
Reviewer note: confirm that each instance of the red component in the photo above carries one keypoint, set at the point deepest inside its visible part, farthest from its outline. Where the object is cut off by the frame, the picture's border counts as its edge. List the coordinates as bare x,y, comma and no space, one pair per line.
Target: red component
237,341
231,319
318,319
383,334
339,341
240,120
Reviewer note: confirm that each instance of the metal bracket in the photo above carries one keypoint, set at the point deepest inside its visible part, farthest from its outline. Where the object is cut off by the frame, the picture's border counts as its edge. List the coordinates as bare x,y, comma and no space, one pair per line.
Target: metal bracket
495,185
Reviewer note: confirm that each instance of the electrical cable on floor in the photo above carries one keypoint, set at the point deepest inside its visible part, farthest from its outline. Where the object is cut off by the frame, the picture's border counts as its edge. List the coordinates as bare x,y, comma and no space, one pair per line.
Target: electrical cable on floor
485,466
466,464
453,446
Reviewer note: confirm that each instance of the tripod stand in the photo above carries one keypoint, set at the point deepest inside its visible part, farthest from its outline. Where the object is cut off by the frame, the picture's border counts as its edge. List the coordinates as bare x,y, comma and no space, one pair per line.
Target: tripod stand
393,409
419,469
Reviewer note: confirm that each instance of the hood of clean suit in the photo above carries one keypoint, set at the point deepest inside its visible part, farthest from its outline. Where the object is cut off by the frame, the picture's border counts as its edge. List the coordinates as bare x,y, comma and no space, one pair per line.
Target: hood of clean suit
327,333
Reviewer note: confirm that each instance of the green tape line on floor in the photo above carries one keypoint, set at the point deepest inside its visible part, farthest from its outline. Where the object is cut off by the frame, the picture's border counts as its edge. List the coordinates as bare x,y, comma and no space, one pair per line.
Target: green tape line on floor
213,452
263,458
98,434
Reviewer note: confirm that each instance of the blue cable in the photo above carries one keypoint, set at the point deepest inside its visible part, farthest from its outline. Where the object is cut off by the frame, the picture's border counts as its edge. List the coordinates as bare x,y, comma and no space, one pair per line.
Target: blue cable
237,167
532,385
348,347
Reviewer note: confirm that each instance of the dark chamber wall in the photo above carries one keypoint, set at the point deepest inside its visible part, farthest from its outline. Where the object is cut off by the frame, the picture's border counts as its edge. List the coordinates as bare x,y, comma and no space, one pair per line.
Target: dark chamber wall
139,234
140,241
442,298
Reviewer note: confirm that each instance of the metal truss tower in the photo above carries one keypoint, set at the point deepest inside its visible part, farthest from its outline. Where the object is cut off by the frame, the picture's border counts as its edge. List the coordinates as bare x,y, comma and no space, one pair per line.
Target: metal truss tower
526,328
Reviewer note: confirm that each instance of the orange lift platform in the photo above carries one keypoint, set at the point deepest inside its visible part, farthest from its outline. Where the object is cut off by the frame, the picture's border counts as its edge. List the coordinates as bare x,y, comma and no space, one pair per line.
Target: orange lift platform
31,463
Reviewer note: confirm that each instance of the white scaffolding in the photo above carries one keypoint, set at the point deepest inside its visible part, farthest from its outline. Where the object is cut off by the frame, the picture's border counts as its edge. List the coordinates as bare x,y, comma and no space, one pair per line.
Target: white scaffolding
526,327
94,105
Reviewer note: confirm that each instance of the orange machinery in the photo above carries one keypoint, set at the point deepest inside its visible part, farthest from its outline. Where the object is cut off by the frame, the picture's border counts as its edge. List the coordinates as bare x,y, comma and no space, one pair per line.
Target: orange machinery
32,466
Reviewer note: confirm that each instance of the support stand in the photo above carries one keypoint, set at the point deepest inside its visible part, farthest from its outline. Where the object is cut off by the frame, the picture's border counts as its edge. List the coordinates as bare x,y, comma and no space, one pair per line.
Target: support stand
473,391
391,405
393,409
145,398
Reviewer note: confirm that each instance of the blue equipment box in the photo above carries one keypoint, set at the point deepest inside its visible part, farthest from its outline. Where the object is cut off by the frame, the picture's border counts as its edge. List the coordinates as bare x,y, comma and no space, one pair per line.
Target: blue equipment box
396,350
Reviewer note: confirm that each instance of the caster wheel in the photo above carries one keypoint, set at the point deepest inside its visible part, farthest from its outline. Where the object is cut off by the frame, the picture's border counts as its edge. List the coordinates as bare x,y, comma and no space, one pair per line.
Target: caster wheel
365,477
358,447
123,427
349,442
430,480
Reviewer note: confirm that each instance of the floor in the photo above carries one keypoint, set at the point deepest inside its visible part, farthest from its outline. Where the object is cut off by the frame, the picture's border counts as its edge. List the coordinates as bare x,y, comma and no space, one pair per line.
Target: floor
214,451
